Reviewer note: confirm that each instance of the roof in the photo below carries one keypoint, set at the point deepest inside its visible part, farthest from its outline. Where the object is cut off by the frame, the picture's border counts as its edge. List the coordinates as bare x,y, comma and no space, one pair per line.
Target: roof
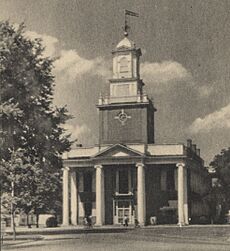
121,154
126,43
120,150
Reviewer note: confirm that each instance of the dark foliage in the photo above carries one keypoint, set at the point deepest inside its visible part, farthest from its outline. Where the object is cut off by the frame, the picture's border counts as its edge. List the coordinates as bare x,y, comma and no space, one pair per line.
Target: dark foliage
32,137
51,222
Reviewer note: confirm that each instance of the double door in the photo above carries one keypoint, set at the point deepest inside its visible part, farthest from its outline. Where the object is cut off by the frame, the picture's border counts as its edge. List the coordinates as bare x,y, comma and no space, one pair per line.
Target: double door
122,210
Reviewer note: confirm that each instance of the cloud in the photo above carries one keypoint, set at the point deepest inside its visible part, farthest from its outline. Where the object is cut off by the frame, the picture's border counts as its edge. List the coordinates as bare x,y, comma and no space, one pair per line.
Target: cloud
70,65
77,131
73,65
205,91
166,72
49,42
69,62
217,120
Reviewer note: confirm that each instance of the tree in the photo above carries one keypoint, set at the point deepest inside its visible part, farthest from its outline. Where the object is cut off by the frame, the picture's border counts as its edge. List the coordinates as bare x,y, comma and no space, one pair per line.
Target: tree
221,190
29,121
9,114
12,169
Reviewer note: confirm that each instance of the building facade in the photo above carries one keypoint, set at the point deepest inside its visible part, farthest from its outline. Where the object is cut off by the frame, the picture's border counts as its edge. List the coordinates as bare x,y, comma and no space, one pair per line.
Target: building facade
127,175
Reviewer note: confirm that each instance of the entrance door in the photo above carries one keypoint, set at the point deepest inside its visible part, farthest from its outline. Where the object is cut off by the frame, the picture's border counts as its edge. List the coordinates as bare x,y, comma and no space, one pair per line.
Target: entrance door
88,208
123,208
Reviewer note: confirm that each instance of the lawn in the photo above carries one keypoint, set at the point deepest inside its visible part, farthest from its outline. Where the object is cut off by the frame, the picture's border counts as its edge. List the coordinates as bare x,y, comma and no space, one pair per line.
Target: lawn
159,238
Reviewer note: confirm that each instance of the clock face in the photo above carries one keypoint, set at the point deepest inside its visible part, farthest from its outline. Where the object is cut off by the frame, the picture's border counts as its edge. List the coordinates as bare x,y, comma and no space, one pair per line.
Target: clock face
122,117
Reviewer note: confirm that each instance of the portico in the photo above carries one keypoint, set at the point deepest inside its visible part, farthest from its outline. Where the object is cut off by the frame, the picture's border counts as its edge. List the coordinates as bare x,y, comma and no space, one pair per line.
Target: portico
118,184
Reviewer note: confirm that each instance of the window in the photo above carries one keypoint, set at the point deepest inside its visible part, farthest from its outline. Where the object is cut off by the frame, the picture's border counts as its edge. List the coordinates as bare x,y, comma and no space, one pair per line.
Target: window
124,65
170,182
87,182
123,181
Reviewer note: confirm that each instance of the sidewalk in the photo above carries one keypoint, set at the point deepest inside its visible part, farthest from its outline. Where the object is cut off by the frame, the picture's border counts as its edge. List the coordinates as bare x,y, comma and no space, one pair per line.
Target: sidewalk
66,230
94,229
8,242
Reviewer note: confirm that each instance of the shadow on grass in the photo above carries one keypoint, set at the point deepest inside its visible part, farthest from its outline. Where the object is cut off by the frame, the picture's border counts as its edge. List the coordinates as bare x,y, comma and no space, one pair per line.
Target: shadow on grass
74,231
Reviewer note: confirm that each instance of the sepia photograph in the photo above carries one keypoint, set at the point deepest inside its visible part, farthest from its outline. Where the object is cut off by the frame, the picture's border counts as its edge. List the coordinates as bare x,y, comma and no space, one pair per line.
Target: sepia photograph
115,125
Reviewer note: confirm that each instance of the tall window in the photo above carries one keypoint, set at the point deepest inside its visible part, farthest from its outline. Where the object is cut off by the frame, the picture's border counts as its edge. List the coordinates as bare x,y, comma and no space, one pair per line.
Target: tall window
87,182
123,181
88,208
170,181
124,65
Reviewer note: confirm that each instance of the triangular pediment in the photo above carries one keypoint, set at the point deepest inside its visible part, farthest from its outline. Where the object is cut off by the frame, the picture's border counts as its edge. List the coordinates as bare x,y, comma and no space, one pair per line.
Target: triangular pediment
123,47
120,154
118,150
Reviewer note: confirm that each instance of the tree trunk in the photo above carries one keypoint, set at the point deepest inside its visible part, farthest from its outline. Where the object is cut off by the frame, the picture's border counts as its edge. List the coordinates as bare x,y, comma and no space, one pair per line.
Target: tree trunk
37,220
13,225
28,220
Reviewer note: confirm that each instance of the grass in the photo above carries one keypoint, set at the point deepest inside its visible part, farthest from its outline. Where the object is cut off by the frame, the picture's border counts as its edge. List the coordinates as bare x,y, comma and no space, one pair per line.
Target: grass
170,238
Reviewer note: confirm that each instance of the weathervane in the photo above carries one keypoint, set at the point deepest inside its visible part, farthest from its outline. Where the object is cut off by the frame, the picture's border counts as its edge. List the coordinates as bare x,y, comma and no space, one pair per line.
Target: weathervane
126,27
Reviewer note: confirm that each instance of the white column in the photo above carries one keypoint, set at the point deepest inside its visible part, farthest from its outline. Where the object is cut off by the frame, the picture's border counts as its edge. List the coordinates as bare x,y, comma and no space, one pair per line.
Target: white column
176,178
74,196
100,196
185,197
141,207
65,194
180,193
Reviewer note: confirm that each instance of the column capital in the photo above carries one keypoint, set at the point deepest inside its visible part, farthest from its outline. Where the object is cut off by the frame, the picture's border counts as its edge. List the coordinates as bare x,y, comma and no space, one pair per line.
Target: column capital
65,168
180,164
140,164
98,166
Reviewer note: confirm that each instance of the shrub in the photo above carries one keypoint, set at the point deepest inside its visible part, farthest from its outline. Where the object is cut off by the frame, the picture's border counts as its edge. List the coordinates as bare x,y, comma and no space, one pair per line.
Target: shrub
51,222
203,220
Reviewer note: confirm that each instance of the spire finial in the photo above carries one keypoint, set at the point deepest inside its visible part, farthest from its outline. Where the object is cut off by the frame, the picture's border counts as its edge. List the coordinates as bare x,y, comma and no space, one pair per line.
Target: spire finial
127,27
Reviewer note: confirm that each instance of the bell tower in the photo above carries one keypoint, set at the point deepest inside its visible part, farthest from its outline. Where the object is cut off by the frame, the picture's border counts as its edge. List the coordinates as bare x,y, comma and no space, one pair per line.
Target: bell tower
126,80
126,115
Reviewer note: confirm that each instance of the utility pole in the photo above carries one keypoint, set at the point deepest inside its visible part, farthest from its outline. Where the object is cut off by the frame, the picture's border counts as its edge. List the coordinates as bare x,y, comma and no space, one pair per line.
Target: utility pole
12,196
1,230
12,211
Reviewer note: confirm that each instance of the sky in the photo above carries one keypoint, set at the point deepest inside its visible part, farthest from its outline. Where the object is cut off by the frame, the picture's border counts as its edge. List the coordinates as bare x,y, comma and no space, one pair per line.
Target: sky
185,63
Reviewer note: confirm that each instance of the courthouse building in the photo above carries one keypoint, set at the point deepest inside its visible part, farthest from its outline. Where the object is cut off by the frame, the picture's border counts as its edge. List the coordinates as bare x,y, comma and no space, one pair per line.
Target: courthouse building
127,174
